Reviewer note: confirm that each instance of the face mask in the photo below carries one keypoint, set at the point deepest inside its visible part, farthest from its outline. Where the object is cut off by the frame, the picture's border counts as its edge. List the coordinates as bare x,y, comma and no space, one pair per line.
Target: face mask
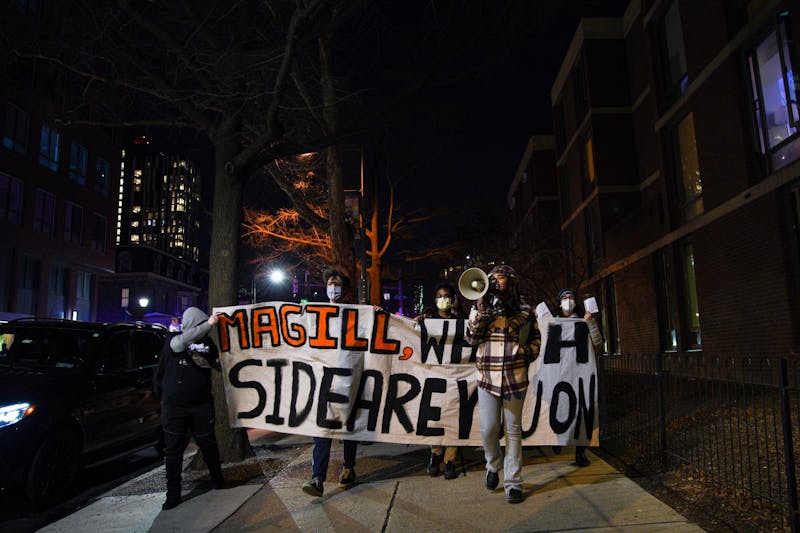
334,292
444,303
568,304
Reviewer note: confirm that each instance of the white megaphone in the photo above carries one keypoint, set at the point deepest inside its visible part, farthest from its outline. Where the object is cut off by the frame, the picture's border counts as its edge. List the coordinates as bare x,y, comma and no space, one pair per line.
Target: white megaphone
473,283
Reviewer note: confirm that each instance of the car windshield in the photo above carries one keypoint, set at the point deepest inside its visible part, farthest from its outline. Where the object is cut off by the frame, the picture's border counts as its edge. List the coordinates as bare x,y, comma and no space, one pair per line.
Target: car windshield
50,348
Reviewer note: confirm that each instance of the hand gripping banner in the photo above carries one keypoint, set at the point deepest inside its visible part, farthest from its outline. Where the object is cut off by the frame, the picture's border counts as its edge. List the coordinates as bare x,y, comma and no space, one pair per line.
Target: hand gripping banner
347,371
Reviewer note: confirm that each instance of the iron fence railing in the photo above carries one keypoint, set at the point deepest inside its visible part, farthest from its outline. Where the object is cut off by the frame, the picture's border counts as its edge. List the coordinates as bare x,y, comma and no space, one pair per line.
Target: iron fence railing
734,421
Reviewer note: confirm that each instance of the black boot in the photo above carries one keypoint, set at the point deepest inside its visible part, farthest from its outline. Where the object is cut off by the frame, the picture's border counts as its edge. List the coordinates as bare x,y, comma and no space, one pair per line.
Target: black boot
433,464
580,456
211,455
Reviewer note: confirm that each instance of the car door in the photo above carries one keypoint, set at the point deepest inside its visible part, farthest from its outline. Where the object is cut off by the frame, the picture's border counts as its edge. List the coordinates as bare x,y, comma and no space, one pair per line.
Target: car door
146,345
114,413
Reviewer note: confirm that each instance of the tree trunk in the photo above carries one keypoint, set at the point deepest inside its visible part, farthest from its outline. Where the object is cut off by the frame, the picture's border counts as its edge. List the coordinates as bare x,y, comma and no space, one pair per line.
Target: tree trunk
374,270
341,232
234,445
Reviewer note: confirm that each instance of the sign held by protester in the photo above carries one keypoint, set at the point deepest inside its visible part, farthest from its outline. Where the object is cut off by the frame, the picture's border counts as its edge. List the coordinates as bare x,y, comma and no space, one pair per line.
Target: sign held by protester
347,371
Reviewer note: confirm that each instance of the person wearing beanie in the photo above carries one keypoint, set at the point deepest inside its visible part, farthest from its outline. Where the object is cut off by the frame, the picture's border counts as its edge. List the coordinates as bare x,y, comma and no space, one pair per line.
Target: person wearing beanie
337,286
446,306
569,308
494,326
183,381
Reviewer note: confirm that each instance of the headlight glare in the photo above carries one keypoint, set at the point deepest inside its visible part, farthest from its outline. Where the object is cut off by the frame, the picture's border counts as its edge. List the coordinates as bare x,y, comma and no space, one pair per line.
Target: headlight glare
11,414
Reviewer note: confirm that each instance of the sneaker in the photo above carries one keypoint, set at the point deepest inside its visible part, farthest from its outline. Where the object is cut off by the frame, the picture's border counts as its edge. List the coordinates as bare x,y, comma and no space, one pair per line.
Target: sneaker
514,496
492,480
313,488
433,465
581,459
450,470
348,478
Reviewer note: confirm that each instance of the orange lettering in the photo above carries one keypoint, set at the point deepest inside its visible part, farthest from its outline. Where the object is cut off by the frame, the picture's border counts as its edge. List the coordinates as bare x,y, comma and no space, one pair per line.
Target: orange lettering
349,328
260,328
300,339
236,319
380,342
324,314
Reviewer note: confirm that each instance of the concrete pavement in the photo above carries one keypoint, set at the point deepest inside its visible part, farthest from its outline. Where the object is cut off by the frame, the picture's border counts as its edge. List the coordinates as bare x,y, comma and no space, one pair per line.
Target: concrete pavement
394,494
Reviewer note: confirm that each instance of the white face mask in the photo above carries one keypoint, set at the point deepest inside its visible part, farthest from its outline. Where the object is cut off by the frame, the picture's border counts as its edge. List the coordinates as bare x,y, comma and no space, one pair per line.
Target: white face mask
334,292
444,303
568,304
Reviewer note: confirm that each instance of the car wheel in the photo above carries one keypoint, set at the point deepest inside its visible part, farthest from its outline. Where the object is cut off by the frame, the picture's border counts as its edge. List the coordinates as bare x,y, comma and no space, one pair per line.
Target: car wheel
54,469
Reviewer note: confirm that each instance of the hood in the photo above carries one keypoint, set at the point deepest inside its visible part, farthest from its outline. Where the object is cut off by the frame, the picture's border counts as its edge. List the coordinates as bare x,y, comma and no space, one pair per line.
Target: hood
20,384
192,317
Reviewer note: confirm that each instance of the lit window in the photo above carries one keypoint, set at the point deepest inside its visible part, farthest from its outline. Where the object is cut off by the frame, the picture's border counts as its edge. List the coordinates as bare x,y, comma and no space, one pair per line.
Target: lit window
690,181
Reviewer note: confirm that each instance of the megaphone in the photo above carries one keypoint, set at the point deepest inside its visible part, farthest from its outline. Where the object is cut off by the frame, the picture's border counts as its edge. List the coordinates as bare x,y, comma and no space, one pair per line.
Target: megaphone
473,283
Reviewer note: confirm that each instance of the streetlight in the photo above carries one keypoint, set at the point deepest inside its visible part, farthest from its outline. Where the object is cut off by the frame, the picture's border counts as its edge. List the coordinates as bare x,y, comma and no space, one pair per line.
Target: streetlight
277,276
144,301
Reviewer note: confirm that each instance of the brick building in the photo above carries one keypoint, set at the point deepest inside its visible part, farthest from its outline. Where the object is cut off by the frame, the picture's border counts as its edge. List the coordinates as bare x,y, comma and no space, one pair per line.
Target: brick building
56,201
678,160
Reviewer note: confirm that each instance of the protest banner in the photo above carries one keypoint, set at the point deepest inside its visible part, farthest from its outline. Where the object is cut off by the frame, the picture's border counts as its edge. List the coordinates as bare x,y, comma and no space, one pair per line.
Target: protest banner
347,371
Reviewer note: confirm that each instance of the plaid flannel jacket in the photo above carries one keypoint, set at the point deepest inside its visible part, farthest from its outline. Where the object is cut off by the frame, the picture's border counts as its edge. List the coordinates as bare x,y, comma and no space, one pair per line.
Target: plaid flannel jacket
502,362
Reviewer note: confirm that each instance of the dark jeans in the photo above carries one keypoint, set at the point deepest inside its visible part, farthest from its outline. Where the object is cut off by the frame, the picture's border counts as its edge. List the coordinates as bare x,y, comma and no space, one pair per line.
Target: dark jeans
322,455
178,423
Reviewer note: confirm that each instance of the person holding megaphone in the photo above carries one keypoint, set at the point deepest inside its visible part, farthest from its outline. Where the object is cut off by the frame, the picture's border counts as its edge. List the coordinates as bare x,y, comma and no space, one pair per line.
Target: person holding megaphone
494,325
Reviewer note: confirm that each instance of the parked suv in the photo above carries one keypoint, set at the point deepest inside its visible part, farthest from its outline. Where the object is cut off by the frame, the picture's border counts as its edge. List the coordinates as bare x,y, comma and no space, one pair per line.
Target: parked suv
73,394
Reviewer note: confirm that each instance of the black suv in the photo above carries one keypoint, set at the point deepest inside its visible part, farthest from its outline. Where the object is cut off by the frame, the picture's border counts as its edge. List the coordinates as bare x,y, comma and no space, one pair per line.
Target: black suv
73,394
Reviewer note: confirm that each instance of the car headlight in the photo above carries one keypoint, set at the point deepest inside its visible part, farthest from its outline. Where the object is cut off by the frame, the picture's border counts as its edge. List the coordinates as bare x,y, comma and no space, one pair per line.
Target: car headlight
11,414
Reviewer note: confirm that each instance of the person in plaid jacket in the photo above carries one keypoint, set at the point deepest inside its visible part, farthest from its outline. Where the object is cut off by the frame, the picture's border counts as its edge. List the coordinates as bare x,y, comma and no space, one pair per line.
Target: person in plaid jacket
494,325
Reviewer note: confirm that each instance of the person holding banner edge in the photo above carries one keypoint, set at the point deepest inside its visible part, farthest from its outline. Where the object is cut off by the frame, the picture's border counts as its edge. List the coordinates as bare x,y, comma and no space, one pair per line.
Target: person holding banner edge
494,325
569,308
447,306
337,286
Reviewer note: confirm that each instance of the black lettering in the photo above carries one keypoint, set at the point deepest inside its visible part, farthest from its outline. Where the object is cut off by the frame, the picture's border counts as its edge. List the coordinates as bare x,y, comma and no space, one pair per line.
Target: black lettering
427,412
537,410
426,342
582,342
395,404
278,365
233,377
373,405
326,396
557,425
585,412
460,342
552,350
466,408
298,417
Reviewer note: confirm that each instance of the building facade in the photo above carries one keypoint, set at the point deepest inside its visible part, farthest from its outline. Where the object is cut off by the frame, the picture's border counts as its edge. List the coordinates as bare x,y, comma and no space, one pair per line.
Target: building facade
678,162
56,199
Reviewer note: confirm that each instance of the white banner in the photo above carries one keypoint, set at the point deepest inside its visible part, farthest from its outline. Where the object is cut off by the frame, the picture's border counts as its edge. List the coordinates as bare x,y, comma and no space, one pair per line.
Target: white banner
346,371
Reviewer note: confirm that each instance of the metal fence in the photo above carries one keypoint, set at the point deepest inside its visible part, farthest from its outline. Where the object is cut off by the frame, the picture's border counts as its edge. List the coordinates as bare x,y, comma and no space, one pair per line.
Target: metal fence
733,422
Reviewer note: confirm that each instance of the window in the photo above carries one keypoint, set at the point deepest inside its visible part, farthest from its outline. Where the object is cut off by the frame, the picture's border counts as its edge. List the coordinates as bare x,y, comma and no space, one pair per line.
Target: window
775,96
78,163
558,126
589,174
690,183
102,176
15,132
44,213
48,148
73,226
99,225
83,297
594,235
609,316
668,336
10,199
125,297
673,53
691,308
56,294
581,94
28,285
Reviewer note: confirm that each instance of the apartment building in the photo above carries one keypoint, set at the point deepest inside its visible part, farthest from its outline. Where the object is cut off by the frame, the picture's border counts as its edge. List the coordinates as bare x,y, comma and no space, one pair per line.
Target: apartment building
678,161
56,208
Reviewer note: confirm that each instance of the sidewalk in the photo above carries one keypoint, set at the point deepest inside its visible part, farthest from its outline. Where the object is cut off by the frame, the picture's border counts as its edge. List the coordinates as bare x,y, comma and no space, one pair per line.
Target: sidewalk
394,494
